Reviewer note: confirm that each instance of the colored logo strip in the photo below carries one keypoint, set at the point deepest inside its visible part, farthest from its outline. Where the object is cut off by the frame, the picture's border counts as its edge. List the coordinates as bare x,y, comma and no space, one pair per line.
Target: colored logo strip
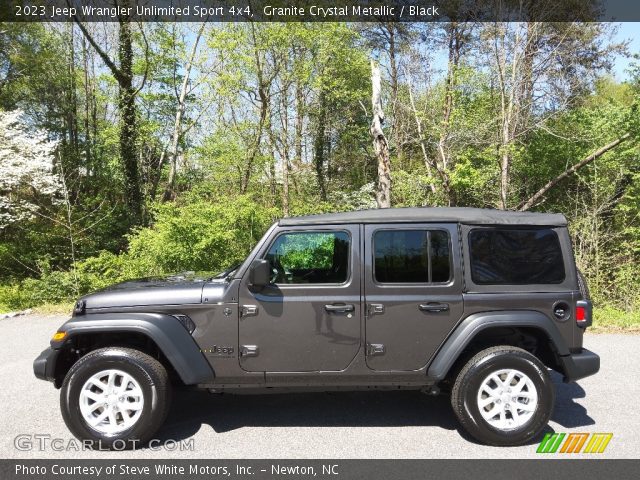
597,443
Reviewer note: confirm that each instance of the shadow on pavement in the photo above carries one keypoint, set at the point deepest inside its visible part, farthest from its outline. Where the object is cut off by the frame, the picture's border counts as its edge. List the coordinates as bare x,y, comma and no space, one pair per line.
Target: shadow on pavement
192,409
568,413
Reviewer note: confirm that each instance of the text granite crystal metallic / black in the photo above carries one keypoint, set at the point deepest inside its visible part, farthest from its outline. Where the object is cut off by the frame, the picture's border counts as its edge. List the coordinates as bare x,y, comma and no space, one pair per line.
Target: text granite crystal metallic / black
476,304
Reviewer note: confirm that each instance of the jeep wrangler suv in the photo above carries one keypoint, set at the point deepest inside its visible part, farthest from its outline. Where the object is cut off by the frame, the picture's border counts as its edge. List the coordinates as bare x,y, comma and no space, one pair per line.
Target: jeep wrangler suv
478,304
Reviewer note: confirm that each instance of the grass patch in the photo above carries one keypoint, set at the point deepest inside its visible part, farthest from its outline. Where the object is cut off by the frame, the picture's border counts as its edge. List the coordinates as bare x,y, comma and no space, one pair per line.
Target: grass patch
64,308
610,319
53,309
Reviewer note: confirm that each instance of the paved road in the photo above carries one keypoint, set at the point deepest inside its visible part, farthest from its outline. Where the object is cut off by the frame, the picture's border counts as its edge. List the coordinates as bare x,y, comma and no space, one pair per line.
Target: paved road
324,425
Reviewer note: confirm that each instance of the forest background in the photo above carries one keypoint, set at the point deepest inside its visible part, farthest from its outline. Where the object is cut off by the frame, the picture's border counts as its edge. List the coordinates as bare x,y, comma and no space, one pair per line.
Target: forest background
136,149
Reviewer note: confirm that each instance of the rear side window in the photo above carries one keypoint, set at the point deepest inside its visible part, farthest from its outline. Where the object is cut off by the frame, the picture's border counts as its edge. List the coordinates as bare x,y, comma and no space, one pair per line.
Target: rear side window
515,256
411,256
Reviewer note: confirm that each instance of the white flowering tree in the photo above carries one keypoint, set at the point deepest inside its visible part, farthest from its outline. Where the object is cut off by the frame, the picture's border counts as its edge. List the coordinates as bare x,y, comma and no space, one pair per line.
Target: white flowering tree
26,168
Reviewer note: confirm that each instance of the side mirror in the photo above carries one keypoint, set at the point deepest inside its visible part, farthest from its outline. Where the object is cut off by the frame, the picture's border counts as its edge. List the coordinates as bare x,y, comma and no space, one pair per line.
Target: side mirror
260,273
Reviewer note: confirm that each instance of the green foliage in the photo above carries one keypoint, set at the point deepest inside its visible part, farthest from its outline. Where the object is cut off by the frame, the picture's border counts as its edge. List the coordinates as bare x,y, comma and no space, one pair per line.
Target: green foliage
608,318
202,236
306,251
410,189
311,81
198,236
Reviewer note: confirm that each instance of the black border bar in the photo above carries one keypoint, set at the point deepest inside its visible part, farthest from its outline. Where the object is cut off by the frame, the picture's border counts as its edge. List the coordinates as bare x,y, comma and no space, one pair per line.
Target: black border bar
494,469
319,10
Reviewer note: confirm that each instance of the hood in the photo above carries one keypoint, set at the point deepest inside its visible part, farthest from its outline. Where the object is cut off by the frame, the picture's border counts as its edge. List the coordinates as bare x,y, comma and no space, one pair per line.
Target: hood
180,289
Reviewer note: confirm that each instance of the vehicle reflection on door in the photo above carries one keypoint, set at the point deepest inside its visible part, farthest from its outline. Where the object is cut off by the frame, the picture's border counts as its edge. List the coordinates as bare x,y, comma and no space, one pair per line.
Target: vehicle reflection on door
327,321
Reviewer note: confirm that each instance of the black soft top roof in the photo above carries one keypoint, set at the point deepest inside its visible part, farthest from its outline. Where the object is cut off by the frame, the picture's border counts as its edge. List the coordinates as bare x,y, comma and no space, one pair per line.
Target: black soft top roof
472,216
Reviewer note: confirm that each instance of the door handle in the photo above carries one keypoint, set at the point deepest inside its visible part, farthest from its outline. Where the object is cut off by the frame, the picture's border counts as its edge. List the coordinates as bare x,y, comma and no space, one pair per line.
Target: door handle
249,350
434,307
339,308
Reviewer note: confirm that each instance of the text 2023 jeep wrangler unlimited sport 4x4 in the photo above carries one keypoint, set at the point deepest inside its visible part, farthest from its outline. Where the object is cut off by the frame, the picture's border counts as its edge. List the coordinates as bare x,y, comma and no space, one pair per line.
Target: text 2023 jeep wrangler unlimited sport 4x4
476,303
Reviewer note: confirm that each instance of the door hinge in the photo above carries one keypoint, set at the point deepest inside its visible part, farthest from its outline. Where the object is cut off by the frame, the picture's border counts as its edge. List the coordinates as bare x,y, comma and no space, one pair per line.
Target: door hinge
376,309
249,311
374,349
249,350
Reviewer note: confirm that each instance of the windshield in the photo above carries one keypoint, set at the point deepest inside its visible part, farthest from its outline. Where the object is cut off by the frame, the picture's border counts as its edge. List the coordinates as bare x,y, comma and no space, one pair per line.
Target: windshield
228,272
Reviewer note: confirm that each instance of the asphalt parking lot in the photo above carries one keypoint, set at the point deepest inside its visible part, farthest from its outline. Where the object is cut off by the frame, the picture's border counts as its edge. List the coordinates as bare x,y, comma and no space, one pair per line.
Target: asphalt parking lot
322,425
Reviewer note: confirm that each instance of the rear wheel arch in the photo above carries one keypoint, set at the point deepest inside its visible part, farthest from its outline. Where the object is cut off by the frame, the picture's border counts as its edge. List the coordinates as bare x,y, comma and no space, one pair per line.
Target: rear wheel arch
530,330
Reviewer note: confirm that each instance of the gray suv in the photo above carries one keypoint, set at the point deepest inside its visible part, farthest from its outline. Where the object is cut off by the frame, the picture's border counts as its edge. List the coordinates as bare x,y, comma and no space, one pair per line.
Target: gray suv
477,304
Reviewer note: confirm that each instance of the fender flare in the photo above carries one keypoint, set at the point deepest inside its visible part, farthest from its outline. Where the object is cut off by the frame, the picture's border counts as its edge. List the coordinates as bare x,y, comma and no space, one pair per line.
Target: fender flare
173,340
471,326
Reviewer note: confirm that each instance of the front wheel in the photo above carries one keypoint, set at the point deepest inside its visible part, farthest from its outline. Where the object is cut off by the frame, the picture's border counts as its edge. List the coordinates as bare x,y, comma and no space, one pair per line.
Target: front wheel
503,396
115,398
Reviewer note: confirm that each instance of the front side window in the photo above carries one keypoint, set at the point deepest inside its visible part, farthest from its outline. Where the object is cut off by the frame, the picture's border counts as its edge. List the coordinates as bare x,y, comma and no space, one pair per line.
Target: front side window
515,256
411,256
310,257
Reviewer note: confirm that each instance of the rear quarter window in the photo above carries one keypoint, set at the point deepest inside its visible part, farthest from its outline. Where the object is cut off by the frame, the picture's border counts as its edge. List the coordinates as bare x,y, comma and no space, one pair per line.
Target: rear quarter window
503,256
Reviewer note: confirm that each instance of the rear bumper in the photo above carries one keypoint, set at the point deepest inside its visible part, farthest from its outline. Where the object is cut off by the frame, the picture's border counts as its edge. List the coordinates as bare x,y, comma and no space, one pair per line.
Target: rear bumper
44,366
580,365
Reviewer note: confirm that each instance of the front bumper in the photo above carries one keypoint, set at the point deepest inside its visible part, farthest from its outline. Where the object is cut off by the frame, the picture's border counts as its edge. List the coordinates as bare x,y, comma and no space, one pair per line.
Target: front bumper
580,365
44,366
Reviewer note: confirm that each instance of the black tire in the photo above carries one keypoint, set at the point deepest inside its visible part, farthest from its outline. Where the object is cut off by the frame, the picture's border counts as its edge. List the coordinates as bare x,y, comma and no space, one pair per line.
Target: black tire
150,375
464,395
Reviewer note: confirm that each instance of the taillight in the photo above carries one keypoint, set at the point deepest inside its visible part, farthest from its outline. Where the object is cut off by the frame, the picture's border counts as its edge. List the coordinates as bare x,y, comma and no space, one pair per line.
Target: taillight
583,313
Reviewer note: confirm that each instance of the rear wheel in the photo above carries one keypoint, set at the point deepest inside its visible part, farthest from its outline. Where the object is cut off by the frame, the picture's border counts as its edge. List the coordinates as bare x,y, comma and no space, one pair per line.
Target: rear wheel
115,398
503,396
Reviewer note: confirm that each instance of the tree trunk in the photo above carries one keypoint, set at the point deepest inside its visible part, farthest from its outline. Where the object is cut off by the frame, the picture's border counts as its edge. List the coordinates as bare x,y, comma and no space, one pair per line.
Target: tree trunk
177,125
73,95
455,44
264,108
285,150
527,83
527,204
318,145
128,127
380,144
273,186
263,95
285,186
511,102
427,161
393,64
127,109
87,114
298,133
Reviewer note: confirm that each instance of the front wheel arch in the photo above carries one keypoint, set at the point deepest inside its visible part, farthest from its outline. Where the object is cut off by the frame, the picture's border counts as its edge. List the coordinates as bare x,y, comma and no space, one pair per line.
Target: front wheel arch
80,344
170,337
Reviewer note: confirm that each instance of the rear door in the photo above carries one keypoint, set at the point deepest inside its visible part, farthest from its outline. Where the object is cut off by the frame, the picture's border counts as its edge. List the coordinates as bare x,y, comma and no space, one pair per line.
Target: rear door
413,292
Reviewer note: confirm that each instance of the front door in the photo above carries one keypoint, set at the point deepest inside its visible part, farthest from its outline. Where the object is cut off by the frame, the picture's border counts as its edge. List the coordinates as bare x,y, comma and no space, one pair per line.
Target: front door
413,293
308,318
